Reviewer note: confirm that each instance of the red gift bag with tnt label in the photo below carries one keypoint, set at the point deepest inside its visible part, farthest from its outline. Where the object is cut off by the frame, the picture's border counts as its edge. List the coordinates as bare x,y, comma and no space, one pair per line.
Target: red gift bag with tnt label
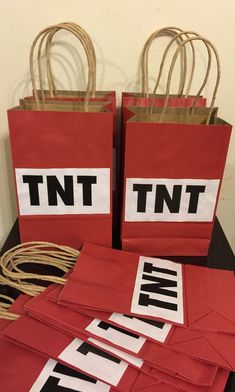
170,366
173,167
152,288
62,158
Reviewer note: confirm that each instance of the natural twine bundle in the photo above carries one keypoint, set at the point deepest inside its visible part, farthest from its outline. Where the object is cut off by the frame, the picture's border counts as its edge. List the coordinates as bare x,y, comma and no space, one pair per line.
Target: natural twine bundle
61,257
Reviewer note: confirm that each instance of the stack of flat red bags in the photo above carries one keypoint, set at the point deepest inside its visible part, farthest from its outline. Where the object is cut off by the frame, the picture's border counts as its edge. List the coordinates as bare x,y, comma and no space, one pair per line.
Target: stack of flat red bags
123,322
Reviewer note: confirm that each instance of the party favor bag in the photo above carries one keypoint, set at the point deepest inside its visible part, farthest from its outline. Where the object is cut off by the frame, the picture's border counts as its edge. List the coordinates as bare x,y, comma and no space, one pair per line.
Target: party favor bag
62,158
173,167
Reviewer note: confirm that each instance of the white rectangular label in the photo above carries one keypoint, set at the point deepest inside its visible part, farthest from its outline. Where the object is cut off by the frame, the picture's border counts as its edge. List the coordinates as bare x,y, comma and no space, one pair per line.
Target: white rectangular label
122,354
173,200
63,191
94,361
116,335
153,329
55,376
158,290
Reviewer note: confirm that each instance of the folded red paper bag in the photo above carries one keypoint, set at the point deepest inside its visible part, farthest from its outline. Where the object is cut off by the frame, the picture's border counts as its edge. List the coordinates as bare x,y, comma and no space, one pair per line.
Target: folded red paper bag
152,288
151,329
155,355
214,348
108,352
76,353
47,374
25,371
121,273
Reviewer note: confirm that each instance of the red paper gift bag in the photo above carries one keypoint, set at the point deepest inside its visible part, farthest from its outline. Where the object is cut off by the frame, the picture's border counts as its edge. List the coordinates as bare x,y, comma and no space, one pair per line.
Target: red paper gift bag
168,361
76,353
153,288
213,347
173,167
26,371
63,158
62,163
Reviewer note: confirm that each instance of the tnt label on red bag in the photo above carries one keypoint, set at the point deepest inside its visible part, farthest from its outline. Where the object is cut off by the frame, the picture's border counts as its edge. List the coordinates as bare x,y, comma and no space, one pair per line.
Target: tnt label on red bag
116,335
138,362
151,328
94,361
172,200
57,377
63,191
158,289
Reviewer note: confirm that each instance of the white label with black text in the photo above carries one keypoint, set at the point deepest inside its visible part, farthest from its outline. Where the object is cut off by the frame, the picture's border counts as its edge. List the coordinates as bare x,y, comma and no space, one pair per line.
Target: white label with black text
55,376
158,290
172,200
63,191
94,361
122,354
118,336
153,329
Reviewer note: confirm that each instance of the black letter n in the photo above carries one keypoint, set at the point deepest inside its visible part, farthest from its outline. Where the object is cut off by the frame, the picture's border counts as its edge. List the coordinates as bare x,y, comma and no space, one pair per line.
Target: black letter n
54,187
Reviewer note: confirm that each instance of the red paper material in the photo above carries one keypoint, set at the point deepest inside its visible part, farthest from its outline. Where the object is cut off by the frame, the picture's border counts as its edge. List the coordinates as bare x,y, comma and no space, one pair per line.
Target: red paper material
101,96
163,159
51,374
54,154
211,347
143,287
135,100
164,359
15,363
75,353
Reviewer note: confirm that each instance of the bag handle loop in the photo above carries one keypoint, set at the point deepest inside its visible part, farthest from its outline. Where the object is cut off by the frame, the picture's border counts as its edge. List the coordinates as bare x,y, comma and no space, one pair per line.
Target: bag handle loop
4,306
163,60
45,31
144,64
6,315
218,66
88,46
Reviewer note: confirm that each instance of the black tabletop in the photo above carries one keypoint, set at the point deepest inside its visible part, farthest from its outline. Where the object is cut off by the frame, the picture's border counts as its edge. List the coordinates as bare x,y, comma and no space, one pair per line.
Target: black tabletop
220,256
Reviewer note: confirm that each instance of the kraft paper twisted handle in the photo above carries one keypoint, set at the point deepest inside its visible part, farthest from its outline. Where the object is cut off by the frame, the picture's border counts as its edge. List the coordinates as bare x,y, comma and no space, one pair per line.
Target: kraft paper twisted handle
6,298
88,47
144,64
51,84
45,31
43,253
145,55
6,315
24,287
186,33
86,41
218,66
4,312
